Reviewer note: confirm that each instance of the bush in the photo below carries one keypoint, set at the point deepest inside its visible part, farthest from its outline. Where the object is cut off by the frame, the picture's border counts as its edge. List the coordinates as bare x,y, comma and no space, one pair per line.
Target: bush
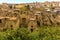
44,33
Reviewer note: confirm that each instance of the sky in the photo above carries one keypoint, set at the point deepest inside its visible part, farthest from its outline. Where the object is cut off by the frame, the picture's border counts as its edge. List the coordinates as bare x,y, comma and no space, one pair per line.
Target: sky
24,1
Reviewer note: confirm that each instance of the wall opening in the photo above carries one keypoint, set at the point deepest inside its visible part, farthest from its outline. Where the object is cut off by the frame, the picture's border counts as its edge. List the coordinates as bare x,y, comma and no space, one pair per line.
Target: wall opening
23,20
10,6
15,14
11,27
0,21
58,23
31,29
5,18
38,23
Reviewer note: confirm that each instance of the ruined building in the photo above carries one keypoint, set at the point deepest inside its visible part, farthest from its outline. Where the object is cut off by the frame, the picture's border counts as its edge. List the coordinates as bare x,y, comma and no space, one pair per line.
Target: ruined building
11,17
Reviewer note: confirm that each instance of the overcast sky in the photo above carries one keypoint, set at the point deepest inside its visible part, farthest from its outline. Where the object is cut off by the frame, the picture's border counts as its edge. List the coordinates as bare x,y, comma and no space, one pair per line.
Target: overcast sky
24,1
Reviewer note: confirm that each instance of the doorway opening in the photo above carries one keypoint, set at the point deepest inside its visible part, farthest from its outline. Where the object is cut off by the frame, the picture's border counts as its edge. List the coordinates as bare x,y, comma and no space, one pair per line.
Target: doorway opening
31,29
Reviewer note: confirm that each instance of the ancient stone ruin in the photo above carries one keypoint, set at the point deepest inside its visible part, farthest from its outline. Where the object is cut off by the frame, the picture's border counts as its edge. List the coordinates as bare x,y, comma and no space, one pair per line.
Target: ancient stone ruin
12,16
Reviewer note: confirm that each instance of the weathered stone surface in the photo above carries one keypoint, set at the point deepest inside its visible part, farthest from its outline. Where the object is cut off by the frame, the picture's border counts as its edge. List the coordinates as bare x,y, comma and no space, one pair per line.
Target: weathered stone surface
13,16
